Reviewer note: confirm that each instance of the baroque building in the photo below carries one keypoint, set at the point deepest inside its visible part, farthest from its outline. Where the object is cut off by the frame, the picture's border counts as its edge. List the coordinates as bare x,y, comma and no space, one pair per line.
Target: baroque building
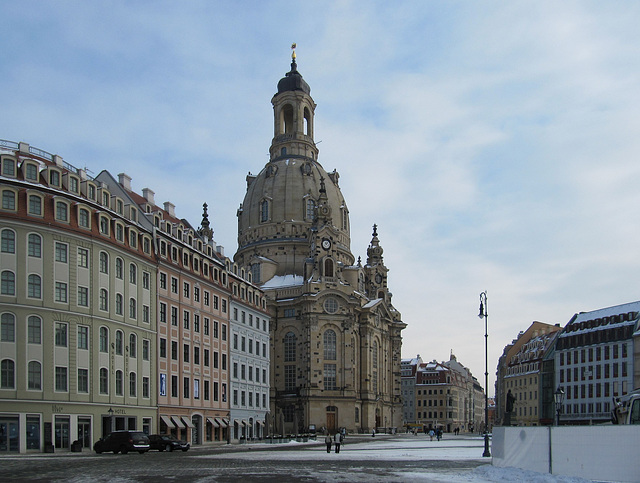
335,335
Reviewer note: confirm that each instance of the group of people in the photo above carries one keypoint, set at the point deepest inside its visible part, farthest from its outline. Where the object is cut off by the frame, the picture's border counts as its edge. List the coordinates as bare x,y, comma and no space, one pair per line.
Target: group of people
337,440
437,433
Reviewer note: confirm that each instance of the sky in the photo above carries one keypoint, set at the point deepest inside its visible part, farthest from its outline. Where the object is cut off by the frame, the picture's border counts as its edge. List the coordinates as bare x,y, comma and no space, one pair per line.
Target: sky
493,143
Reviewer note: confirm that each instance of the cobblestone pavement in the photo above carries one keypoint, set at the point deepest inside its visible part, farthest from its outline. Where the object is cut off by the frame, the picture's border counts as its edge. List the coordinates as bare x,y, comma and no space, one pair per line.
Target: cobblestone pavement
309,462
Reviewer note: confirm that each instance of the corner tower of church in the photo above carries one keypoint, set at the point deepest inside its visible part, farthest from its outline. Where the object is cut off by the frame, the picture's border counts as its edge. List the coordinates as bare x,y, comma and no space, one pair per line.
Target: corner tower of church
335,336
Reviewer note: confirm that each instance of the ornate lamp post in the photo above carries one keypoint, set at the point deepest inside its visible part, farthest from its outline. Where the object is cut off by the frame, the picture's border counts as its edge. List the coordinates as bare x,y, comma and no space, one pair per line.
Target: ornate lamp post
110,411
483,313
558,398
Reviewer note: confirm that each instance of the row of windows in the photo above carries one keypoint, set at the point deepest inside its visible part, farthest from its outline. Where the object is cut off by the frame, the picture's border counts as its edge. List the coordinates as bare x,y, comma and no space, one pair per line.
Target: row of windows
218,329
54,176
247,373
243,399
61,379
61,336
244,317
243,345
61,294
604,389
192,354
186,287
62,210
308,209
616,350
605,371
188,384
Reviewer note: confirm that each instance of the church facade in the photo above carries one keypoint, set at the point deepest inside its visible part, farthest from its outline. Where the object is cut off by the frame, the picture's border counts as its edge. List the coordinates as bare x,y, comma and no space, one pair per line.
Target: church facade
335,337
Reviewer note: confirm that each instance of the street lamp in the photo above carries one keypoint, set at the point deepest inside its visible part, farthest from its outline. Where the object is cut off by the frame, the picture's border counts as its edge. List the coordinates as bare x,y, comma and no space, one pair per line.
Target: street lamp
484,313
110,411
558,398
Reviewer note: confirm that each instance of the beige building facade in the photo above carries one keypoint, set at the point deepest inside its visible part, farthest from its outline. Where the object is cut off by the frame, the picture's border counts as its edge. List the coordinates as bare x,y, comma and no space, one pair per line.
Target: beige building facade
335,335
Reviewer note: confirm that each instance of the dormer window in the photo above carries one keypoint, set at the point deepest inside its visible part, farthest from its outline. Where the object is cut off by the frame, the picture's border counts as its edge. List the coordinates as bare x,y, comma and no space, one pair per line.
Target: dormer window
91,191
105,199
73,184
31,172
134,215
54,178
9,167
119,206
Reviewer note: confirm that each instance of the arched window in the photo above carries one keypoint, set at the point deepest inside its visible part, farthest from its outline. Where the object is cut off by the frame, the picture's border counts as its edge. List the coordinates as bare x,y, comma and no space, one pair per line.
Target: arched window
34,248
132,308
119,303
328,267
34,206
310,206
8,328
119,268
132,345
329,341
34,381
34,330
8,283
374,357
307,122
8,241
9,200
119,342
290,341
133,274
104,299
287,119
132,384
264,211
83,218
104,339
62,211
119,383
104,262
7,374
34,287
104,380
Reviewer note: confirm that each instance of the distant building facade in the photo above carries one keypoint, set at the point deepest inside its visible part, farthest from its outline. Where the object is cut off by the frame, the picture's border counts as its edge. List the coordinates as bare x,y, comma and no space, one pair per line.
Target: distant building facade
522,374
594,361
444,395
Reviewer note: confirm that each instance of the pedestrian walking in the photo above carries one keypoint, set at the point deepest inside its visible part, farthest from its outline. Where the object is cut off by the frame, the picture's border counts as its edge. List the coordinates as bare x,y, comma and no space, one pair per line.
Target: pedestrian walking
439,434
327,441
337,440
373,433
431,434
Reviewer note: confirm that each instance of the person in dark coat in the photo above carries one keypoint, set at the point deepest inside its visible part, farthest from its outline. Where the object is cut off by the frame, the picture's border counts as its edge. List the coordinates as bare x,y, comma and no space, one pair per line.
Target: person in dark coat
337,440
327,441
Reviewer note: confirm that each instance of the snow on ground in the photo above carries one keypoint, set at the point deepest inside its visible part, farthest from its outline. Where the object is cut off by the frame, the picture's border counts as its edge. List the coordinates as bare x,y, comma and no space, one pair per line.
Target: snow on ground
410,448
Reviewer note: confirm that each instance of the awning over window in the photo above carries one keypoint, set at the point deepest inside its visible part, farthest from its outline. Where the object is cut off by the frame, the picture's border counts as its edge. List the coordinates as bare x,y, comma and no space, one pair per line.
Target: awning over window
213,422
222,422
177,421
187,421
167,421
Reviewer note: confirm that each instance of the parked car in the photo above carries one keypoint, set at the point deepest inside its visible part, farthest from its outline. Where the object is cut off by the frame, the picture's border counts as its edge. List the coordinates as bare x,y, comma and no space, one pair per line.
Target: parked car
163,442
123,442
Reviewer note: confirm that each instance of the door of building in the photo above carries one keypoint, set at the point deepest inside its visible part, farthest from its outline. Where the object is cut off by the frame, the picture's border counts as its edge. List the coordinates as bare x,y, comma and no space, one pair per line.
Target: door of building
9,435
84,432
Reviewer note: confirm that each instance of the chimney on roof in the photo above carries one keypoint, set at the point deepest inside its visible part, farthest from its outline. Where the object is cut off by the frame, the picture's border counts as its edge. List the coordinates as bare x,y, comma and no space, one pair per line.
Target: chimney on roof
148,195
125,181
170,208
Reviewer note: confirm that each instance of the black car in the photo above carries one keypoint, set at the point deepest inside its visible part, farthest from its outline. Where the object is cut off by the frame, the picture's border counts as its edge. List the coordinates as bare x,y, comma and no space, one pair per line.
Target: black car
163,442
123,442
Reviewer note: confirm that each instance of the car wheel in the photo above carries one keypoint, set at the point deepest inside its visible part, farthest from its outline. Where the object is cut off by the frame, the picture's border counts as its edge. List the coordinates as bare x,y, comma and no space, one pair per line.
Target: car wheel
184,450
142,451
116,451
99,451
161,448
124,450
169,447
